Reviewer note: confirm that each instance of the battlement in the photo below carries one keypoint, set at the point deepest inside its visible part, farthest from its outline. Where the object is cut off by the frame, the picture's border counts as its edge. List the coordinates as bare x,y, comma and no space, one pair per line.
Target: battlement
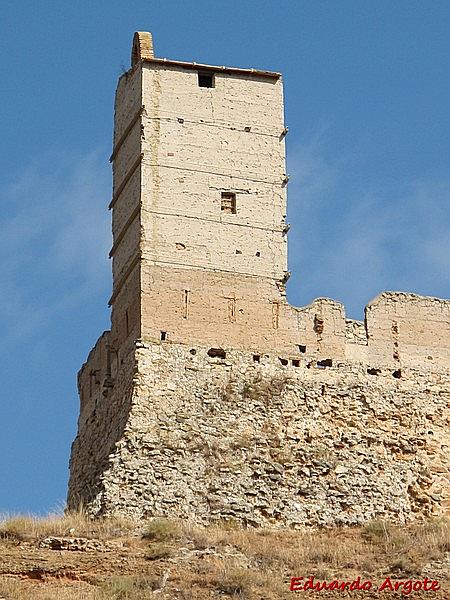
203,341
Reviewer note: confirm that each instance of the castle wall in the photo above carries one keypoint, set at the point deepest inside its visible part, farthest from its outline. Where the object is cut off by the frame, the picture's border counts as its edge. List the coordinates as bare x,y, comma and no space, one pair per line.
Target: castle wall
126,312
104,385
409,329
211,396
267,444
382,417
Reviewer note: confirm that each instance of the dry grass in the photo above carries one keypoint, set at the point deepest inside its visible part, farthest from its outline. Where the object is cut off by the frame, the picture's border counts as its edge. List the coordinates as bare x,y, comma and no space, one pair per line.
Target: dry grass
158,551
25,590
130,588
235,581
74,524
222,560
161,530
374,549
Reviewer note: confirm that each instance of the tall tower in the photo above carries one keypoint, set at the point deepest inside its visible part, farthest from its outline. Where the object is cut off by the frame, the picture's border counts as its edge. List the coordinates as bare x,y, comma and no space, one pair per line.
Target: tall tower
199,203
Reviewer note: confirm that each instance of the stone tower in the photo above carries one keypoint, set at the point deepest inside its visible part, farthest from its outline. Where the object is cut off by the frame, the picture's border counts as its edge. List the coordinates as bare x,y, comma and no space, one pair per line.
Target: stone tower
211,396
199,202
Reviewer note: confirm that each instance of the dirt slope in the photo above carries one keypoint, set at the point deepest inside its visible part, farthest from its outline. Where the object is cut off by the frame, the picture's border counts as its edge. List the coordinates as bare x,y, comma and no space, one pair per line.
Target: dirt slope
72,558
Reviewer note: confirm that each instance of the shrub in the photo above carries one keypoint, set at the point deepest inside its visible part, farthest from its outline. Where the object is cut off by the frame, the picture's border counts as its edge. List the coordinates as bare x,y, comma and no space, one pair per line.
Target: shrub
127,588
160,530
158,551
235,581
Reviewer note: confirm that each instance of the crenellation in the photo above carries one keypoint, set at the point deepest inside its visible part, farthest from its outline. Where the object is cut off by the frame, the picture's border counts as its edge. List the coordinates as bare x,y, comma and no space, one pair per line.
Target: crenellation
212,397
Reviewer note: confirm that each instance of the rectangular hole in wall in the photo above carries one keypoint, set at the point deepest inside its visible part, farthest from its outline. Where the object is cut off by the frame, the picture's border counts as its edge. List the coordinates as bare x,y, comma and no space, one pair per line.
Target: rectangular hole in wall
326,362
217,353
205,79
302,348
228,202
295,362
163,336
185,304
256,358
373,371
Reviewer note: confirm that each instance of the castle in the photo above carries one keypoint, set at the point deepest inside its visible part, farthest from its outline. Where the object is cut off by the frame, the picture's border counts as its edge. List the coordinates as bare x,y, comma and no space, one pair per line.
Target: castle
211,397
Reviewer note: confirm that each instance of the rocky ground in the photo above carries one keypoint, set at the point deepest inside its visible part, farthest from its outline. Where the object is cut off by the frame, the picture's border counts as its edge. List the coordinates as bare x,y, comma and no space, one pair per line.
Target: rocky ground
72,557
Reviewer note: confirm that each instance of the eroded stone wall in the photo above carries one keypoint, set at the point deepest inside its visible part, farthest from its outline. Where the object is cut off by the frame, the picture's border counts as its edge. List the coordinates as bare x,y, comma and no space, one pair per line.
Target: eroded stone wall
247,437
105,384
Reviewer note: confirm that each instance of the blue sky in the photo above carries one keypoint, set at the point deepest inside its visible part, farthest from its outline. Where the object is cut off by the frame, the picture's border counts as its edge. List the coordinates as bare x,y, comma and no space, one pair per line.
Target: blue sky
367,91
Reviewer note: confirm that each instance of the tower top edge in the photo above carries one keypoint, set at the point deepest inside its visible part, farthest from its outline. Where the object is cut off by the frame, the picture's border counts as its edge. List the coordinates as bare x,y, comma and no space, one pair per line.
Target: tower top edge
142,50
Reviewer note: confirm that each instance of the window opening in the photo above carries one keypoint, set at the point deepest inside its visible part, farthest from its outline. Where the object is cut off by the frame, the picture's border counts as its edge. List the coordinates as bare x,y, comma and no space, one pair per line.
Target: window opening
228,202
185,304
205,79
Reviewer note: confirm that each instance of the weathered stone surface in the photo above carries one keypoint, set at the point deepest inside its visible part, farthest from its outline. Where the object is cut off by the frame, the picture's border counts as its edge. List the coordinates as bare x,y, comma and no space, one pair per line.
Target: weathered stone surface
207,438
77,544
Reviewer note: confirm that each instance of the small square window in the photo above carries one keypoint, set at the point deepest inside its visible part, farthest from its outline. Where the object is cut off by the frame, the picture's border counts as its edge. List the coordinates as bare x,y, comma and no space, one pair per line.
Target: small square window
228,202
205,79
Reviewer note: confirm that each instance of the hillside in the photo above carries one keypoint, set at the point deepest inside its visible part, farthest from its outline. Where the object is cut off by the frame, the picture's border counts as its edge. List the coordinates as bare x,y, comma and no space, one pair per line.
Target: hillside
71,557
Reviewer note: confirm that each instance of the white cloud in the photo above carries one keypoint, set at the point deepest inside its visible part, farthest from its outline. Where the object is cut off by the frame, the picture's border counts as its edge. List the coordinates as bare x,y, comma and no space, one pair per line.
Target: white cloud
55,236
351,246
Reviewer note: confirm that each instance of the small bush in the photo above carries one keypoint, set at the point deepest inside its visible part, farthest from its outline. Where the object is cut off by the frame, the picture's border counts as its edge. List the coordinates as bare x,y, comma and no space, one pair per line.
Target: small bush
375,531
127,588
321,556
200,538
17,528
235,581
160,530
405,567
158,551
229,524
